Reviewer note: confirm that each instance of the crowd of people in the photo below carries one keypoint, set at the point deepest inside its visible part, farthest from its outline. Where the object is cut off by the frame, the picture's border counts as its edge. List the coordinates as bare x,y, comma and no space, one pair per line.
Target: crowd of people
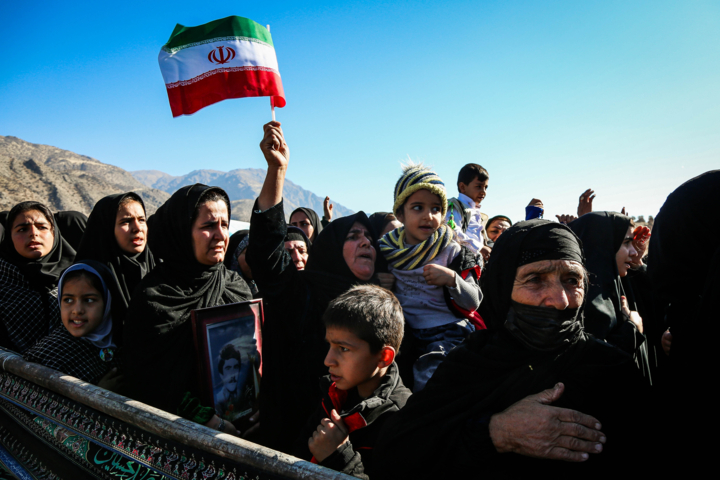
431,340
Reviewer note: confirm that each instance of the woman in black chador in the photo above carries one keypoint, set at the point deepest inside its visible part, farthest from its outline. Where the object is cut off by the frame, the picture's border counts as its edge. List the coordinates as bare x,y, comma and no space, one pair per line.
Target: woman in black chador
478,415
607,241
294,346
308,221
33,255
116,236
684,266
190,235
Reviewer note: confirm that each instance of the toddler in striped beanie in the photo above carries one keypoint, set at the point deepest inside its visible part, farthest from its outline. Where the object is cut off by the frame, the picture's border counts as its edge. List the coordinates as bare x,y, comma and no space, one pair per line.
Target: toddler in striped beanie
436,278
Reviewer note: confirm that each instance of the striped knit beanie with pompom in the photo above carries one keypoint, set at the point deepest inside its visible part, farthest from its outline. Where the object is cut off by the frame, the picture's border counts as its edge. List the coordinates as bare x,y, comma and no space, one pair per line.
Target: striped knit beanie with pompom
414,178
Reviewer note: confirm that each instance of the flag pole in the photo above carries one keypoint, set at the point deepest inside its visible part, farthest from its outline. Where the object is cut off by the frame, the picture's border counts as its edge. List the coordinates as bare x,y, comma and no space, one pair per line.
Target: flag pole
272,105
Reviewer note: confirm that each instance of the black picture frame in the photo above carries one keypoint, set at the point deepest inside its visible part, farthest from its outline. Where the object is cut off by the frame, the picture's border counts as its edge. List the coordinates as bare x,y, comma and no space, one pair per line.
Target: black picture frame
228,349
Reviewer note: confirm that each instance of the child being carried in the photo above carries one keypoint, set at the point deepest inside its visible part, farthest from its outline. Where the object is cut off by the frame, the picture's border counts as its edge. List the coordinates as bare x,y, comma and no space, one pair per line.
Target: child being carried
436,278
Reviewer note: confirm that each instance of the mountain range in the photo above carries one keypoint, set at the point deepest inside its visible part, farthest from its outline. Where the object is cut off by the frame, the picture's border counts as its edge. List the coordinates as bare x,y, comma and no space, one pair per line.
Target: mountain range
64,180
242,185
61,179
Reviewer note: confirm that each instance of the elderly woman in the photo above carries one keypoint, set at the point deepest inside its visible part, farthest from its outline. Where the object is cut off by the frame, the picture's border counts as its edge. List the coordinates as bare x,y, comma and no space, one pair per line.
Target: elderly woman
33,255
478,413
293,334
116,236
298,246
191,236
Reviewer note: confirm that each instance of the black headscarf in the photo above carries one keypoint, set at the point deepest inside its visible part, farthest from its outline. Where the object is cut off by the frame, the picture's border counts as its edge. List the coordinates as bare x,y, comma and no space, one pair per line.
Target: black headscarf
684,266
158,333
378,220
297,234
99,244
692,206
327,272
523,243
73,225
42,273
602,234
238,243
314,220
496,217
232,253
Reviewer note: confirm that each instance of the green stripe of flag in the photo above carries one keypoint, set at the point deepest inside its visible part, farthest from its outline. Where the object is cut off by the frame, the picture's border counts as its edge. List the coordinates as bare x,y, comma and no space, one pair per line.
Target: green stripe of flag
223,29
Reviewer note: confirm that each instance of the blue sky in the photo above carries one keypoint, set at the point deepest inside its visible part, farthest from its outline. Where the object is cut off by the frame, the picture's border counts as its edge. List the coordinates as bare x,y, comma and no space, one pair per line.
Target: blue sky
550,97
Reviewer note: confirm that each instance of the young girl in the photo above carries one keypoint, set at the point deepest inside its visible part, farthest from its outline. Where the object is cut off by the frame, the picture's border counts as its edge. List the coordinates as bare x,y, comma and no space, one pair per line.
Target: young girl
436,278
84,348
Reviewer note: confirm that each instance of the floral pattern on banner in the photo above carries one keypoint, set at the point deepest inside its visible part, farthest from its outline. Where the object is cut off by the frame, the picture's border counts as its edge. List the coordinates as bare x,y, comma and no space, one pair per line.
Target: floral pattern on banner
107,447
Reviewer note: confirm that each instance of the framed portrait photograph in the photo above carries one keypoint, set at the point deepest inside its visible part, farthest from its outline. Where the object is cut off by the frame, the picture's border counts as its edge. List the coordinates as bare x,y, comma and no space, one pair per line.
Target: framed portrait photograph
228,345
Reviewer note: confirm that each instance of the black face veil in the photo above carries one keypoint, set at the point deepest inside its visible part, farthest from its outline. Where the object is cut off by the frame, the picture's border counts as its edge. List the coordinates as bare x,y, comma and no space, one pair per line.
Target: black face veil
523,243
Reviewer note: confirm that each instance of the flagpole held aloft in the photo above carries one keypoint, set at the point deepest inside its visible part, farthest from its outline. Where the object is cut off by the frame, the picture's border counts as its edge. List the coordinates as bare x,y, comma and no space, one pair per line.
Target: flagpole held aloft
272,104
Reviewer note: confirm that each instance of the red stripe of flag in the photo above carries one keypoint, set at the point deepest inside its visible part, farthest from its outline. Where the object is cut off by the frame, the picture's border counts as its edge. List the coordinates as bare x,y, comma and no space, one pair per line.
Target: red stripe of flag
188,99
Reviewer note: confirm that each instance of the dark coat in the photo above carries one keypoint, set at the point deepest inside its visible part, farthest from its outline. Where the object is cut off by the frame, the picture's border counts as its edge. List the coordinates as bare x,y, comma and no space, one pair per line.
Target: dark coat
446,424
99,243
160,360
602,234
684,266
293,303
363,417
28,289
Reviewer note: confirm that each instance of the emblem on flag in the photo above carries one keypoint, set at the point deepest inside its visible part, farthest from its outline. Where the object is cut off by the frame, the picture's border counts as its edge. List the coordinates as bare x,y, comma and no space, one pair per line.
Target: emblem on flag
221,58
232,57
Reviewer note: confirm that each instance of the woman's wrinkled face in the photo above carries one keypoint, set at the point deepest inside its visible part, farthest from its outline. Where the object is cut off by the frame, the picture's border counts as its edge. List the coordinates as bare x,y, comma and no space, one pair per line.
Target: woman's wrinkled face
32,234
550,283
131,228
298,252
210,233
626,254
496,228
300,220
358,252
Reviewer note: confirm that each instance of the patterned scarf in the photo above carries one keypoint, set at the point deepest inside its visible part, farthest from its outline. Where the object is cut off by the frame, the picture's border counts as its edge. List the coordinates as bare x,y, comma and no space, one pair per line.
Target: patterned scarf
27,314
409,257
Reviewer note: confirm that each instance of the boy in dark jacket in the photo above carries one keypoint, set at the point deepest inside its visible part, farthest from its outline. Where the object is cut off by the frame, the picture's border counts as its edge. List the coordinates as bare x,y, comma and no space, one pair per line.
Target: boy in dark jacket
364,328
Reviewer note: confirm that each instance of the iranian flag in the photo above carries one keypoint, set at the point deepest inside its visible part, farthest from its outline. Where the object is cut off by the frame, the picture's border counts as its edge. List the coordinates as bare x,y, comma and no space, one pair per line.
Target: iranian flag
228,58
